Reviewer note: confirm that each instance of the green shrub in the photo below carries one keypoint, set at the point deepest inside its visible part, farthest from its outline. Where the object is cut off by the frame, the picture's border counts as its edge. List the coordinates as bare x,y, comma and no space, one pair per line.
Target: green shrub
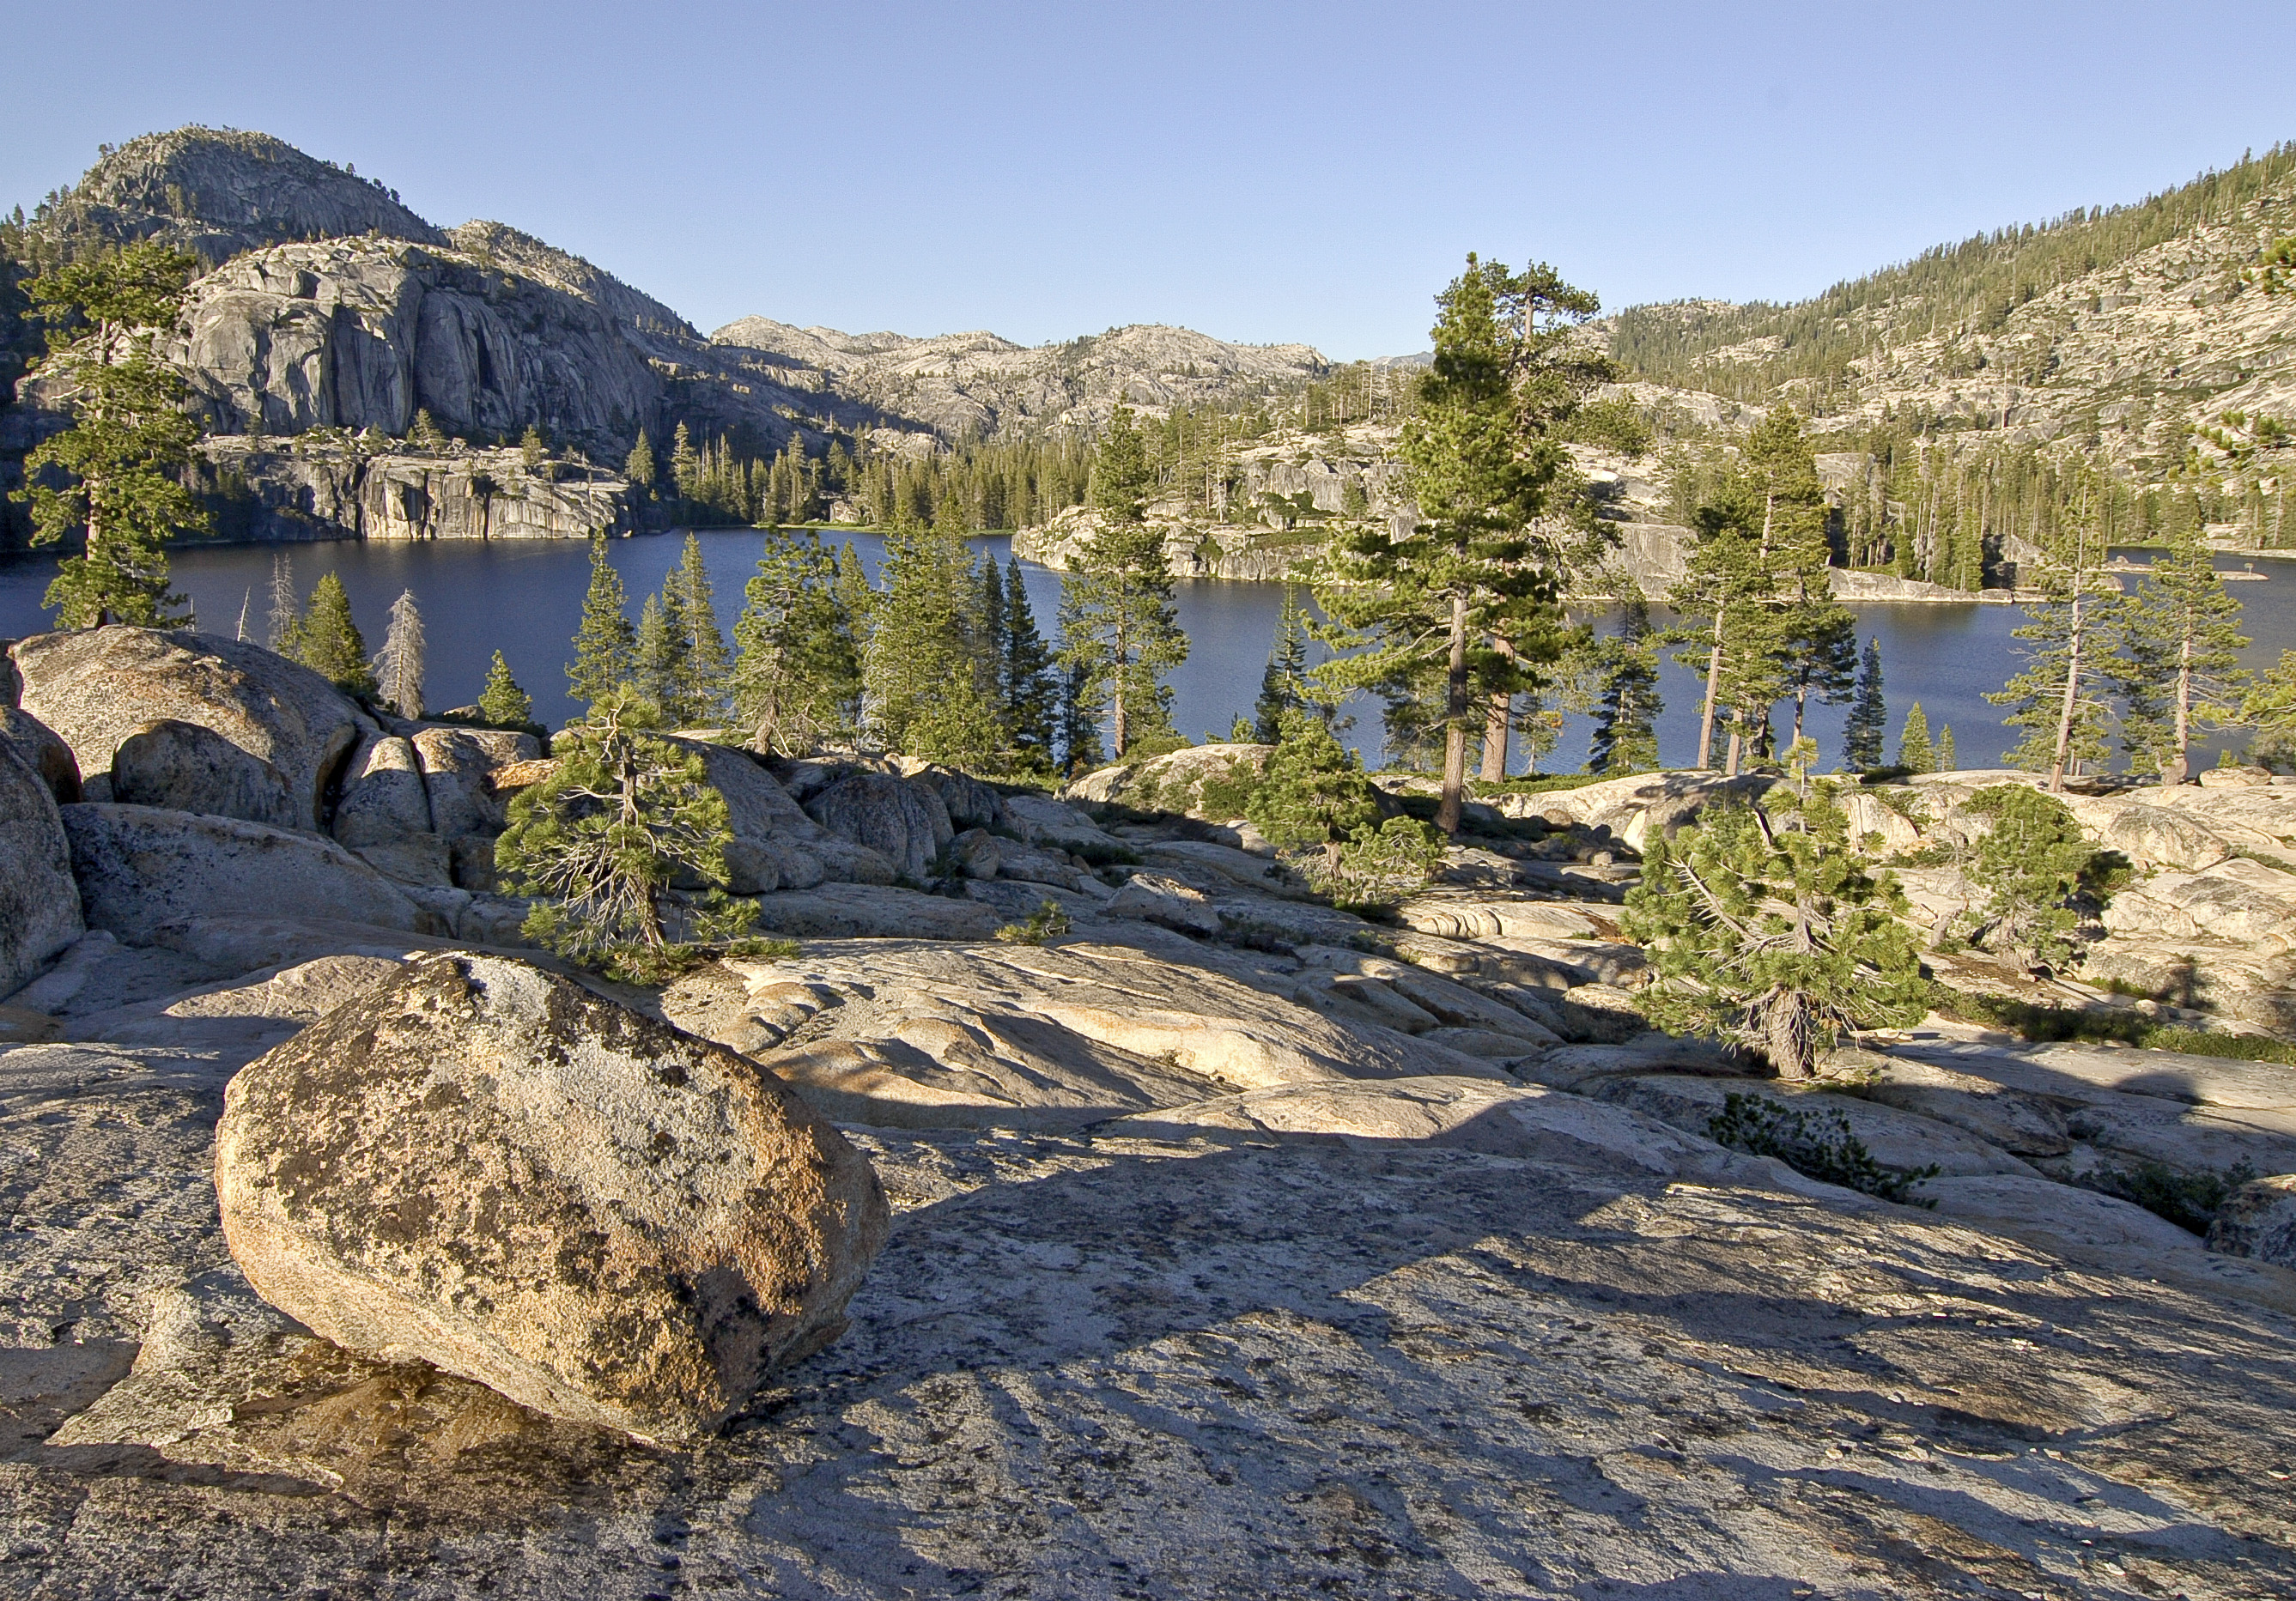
2188,1200
1048,921
1819,1146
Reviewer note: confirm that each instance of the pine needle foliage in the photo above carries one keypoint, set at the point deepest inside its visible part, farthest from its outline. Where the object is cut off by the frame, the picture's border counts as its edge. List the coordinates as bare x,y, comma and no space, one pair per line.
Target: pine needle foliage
1484,458
1763,926
1861,740
2178,668
329,642
1627,699
2033,863
605,643
113,479
600,842
797,663
501,703
1915,753
1118,623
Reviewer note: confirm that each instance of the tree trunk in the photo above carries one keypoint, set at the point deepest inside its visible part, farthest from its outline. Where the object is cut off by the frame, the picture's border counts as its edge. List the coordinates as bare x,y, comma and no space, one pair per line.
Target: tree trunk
1454,722
1737,746
2178,766
1713,690
1497,724
1787,1037
1123,727
2072,694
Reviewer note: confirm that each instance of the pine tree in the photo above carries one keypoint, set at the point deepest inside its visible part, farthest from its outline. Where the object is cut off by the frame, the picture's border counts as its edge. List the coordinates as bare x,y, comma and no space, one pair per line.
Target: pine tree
606,643
1764,926
1483,458
1947,760
639,468
2269,707
399,670
1626,703
1116,618
1914,753
422,433
690,607
2032,861
501,704
684,465
1313,792
797,668
1079,722
1816,635
2055,697
658,666
992,613
1031,688
1861,741
329,642
927,690
531,450
286,613
2179,655
125,455
1284,685
855,594
599,843
1726,599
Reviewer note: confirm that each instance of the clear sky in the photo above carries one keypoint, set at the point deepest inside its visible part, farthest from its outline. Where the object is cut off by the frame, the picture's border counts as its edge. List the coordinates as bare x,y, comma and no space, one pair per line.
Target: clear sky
1261,172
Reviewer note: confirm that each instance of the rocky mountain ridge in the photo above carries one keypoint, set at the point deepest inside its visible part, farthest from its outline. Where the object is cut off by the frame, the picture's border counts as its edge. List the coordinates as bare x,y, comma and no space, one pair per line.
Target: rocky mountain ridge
980,383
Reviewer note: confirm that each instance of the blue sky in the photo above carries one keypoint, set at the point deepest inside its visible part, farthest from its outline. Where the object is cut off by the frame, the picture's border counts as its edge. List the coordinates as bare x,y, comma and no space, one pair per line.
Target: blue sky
1260,171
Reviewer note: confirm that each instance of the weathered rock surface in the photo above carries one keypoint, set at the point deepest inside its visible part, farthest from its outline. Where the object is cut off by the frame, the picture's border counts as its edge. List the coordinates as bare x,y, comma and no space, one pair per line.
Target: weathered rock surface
913,1033
871,911
99,686
1154,898
139,867
905,822
184,767
485,1167
2259,1221
39,903
1175,782
384,797
40,748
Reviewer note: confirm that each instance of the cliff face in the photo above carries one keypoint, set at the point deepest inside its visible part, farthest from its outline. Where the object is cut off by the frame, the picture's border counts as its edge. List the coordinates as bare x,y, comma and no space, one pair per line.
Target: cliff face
219,192
272,492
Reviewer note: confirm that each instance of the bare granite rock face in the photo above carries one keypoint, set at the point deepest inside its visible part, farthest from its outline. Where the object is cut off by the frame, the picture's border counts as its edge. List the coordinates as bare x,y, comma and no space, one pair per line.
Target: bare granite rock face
40,748
184,767
2259,1221
905,822
99,687
485,1167
39,904
139,867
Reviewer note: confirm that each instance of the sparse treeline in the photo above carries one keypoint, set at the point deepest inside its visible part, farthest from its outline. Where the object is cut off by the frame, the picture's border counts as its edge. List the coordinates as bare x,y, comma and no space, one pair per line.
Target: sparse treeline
1967,290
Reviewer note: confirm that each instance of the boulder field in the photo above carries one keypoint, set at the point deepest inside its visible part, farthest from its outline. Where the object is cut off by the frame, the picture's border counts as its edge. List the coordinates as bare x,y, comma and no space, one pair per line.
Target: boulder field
1226,1244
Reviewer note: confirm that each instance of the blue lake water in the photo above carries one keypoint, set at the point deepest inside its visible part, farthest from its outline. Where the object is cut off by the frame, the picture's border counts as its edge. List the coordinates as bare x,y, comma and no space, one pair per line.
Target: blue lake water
524,597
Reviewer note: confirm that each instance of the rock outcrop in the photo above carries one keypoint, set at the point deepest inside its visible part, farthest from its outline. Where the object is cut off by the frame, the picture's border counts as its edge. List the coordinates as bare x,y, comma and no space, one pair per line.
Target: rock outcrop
185,767
99,686
331,485
39,748
484,1166
905,822
140,868
39,902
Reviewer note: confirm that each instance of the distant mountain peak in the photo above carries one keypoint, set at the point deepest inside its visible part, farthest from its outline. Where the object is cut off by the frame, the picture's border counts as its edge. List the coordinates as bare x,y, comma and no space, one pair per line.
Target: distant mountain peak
219,191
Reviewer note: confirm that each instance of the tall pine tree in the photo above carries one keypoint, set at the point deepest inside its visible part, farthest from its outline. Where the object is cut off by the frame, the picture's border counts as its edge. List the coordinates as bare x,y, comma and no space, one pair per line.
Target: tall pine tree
604,644
1484,457
691,609
796,672
123,459
1117,621
1627,695
1915,752
1861,741
329,642
2178,666
2057,700
1284,685
1029,686
399,667
928,693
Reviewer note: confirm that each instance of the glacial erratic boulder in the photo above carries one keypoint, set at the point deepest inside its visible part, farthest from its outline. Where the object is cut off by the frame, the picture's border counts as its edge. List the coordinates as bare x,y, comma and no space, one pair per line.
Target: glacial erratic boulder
488,1167
140,868
39,904
101,686
454,769
185,767
905,822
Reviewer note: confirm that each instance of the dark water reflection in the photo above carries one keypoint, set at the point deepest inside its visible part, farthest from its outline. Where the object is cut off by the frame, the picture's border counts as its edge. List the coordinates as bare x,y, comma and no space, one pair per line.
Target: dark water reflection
525,597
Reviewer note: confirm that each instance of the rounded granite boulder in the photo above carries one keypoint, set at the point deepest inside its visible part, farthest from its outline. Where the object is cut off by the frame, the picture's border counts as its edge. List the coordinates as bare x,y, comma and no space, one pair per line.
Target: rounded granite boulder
488,1167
